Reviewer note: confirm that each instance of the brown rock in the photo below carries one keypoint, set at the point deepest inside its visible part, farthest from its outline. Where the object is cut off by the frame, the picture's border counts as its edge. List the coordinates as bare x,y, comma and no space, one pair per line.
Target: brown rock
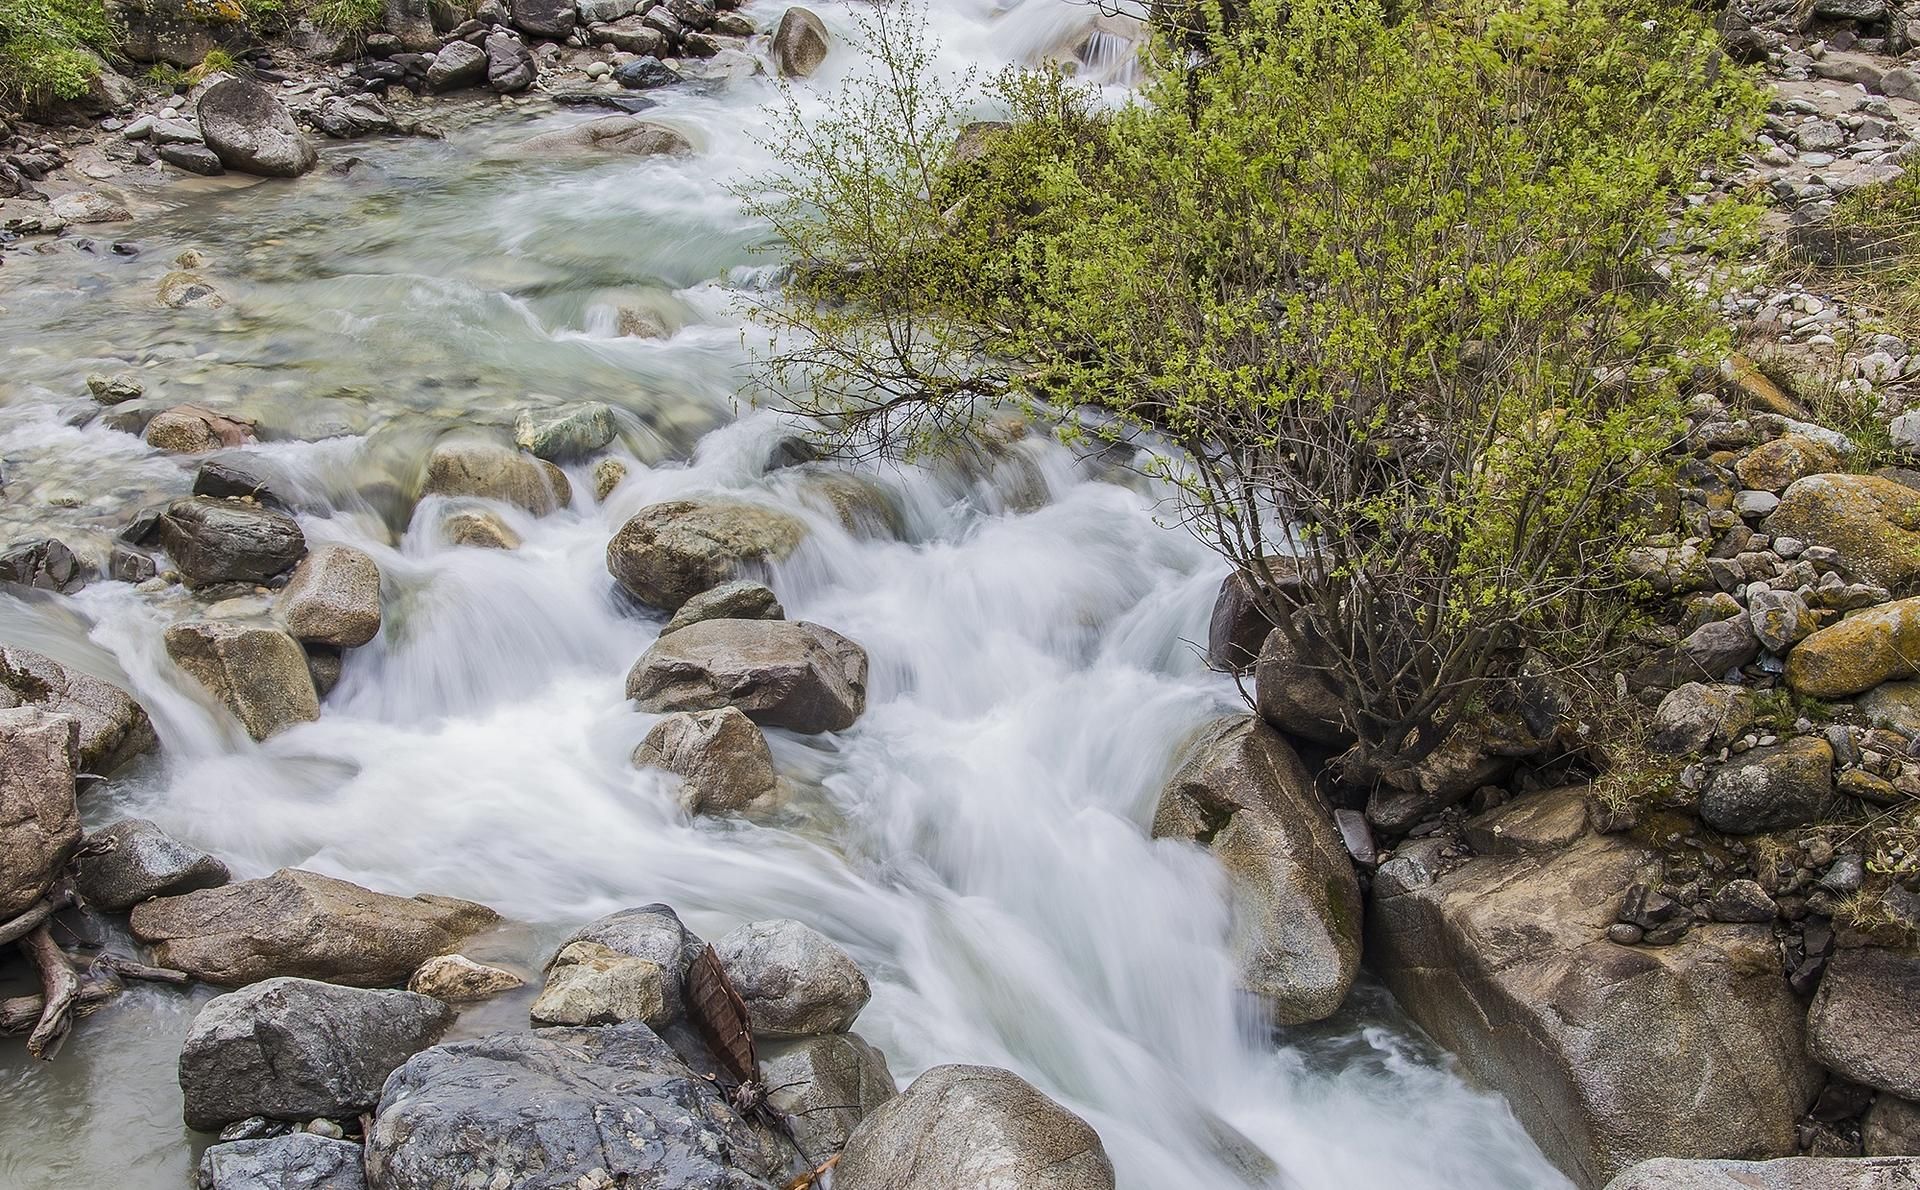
720,756
1865,1021
782,673
493,472
113,727
1771,466
1860,652
39,822
1873,522
194,429
259,673
333,598
668,553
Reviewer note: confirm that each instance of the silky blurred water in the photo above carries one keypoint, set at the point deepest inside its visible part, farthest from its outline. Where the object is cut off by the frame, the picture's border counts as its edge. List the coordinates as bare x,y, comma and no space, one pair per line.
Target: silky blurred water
978,840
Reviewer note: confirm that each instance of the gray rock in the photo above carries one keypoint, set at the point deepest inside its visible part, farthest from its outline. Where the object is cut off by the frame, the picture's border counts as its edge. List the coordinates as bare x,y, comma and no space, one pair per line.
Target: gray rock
195,159
572,432
294,1049
39,822
566,1108
1780,619
1295,697
550,19
652,932
670,552
1238,628
592,984
115,389
1863,1024
251,130
741,599
1791,1173
333,598
219,541
829,1084
298,1161
626,135
1696,716
133,859
973,1128
303,924
1742,901
795,981
113,727
1243,793
260,674
457,64
44,564
721,758
243,473
800,43
354,115
631,35
1713,650
510,66
645,73
782,673
1787,784
1891,1128
491,472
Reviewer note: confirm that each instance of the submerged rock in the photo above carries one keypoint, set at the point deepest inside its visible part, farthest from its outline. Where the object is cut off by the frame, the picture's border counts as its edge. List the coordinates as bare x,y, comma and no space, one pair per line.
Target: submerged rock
251,130
479,528
782,673
1243,793
39,822
795,981
133,859
973,1128
113,728
303,924
218,541
298,1161
721,758
570,432
566,1108
333,598
296,1049
670,552
491,472
260,674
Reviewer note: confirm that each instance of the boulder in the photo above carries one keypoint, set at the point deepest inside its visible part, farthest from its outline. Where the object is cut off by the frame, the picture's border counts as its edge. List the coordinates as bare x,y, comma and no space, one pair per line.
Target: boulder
177,32
1773,466
549,19
296,1049
1544,821
795,981
571,432
1242,792
510,65
458,64
220,541
1295,697
490,472
1238,628
480,528
1717,649
457,979
113,727
1505,961
628,135
39,822
1786,785
1891,1128
297,1161
782,673
631,35
741,599
652,932
44,564
303,924
721,758
1860,652
1779,619
973,1128
668,553
243,473
800,43
1865,1021
827,1086
1697,716
195,159
596,1107
133,859
251,130
1789,1173
589,983
260,674
333,598
195,429
644,73
1873,522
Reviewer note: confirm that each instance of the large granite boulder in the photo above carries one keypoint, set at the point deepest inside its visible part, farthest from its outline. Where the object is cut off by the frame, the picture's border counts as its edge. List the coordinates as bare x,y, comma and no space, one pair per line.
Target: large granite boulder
1243,793
782,673
550,19
297,1161
1505,961
333,598
1788,1173
252,131
560,1109
826,1086
1860,652
296,1049
493,472
39,822
721,758
133,859
668,553
1296,697
795,981
229,541
1865,1021
304,924
800,43
258,673
1774,466
1783,785
113,728
973,1128
1873,522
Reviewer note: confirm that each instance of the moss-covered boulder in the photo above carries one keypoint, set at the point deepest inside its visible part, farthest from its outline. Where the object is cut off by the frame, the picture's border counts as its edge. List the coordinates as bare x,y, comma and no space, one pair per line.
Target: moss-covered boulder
1772,466
1873,523
1860,652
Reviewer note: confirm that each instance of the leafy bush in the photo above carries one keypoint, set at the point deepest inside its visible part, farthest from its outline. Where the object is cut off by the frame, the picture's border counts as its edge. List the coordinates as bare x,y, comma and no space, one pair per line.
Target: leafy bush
47,48
1392,286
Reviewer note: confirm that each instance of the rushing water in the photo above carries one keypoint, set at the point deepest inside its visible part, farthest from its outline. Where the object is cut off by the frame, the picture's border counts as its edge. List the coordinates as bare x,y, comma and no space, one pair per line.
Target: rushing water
977,841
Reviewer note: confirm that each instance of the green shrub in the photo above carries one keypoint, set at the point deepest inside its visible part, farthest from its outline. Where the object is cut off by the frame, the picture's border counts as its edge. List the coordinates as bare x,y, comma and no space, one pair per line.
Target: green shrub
48,48
1392,287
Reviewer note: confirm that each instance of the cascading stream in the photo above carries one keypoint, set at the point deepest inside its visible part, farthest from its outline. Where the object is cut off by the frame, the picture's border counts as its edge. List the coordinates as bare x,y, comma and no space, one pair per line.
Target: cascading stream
977,841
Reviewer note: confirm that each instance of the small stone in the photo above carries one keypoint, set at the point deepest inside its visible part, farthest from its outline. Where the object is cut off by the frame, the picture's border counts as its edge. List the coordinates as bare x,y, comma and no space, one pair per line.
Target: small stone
114,389
593,984
458,979
1625,933
1742,901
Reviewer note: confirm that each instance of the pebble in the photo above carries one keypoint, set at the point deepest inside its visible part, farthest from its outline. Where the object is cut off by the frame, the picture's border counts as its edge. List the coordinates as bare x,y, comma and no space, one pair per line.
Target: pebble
1625,933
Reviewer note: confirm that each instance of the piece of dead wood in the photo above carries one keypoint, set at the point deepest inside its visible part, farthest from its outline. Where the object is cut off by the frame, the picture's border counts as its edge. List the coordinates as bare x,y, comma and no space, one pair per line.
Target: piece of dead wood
806,1180
26,923
59,988
21,1013
113,964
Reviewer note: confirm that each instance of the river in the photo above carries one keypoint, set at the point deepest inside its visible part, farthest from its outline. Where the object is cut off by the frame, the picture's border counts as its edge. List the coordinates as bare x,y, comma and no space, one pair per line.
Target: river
978,841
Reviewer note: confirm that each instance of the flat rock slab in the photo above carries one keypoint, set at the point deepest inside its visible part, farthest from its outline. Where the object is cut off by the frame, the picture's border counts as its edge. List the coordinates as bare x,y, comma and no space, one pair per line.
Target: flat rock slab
301,1161
1788,1173
304,924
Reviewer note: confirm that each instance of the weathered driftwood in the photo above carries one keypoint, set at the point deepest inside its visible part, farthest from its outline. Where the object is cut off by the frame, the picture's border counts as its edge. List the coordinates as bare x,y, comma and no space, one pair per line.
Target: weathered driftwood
55,900
59,988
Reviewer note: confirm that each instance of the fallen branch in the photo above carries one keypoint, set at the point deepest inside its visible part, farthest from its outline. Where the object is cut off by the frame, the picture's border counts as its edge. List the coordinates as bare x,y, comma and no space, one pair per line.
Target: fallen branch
128,969
22,1013
806,1180
29,921
59,987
